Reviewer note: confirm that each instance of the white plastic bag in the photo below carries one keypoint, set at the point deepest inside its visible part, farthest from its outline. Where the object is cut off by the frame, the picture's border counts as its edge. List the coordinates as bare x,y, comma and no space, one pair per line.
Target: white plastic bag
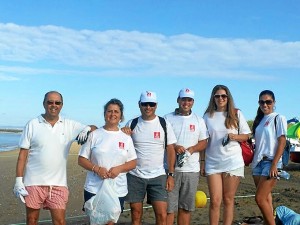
104,206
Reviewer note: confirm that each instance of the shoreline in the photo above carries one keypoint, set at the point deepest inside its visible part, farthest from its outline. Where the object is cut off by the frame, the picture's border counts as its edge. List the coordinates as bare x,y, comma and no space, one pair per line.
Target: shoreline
286,192
10,130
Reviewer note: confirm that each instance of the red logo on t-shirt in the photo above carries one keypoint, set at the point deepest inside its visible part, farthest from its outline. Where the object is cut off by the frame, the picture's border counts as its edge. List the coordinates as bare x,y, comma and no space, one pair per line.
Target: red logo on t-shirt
192,127
267,123
121,145
156,135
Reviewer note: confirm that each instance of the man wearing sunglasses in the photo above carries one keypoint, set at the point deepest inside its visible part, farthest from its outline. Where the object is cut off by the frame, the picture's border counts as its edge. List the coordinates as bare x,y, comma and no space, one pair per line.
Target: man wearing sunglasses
149,176
191,134
44,147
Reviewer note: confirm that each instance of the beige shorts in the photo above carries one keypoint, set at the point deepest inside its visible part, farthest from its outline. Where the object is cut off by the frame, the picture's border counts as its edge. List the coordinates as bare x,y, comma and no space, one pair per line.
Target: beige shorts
47,197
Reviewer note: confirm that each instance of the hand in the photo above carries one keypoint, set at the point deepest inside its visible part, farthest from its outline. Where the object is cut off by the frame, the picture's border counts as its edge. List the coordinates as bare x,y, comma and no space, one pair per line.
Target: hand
126,130
19,189
83,135
170,183
182,158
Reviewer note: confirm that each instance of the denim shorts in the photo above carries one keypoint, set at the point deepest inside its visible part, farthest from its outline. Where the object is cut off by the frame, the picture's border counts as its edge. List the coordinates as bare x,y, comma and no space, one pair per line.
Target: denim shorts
263,168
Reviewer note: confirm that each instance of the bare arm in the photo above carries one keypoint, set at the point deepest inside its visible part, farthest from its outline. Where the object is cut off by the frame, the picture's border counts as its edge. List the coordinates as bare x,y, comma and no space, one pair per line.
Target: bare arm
278,154
199,147
88,165
115,171
238,137
22,160
171,166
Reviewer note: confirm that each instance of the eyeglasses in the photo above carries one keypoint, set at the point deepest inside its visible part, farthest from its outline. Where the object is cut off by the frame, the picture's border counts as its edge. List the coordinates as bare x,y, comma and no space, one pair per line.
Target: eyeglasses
186,99
145,104
268,102
221,96
54,103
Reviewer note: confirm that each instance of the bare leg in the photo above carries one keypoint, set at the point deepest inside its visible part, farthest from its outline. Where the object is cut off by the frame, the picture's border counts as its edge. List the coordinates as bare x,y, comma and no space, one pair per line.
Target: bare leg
184,217
230,186
136,213
170,218
215,191
58,216
263,197
160,210
32,216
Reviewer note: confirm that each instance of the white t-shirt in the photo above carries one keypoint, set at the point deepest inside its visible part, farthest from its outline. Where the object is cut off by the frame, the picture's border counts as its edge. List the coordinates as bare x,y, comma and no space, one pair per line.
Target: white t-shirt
266,137
218,158
189,130
107,149
149,141
48,150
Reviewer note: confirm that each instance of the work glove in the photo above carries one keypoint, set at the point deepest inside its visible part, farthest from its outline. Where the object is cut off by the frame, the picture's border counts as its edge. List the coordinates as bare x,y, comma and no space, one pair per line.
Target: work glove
182,158
83,135
19,189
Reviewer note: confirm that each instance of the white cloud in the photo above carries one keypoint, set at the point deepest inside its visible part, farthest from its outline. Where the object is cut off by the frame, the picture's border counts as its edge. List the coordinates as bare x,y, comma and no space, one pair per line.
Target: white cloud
66,51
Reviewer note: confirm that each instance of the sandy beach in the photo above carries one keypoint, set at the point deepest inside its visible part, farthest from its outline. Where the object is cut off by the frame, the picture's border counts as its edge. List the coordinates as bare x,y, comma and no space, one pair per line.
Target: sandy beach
287,192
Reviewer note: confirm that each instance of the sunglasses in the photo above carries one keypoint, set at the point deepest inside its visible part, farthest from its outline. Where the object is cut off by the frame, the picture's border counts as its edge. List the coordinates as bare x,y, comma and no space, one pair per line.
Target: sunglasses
54,103
268,102
221,96
145,104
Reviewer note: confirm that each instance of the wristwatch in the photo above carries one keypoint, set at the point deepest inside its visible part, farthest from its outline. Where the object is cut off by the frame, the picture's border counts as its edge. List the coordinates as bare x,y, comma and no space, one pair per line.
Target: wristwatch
171,174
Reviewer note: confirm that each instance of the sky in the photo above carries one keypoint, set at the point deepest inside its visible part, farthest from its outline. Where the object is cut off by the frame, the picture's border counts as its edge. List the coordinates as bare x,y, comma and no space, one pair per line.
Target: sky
94,50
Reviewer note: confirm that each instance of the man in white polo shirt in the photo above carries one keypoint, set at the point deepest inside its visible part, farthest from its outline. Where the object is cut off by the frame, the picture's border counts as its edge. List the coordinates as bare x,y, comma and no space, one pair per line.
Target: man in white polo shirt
149,176
44,148
191,135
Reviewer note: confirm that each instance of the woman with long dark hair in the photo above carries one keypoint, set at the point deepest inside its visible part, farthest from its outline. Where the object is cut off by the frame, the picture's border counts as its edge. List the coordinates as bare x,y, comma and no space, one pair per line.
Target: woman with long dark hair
269,130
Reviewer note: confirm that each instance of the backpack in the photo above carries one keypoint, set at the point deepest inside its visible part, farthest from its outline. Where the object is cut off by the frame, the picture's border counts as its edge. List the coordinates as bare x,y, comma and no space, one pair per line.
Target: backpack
162,122
286,150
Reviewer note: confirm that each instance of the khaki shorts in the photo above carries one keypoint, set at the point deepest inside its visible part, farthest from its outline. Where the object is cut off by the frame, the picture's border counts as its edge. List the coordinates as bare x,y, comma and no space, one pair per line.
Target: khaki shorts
47,197
183,194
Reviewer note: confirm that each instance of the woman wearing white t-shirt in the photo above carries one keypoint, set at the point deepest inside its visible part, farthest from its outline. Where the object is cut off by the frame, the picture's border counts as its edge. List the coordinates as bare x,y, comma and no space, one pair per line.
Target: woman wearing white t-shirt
269,129
108,154
224,165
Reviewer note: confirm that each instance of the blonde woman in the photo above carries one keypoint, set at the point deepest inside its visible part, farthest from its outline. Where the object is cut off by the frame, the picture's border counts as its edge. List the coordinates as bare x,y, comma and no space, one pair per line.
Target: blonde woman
224,165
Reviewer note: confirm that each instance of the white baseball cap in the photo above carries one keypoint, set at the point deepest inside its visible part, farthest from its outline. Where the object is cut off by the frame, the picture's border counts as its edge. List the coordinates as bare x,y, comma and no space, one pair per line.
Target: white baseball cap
186,93
148,96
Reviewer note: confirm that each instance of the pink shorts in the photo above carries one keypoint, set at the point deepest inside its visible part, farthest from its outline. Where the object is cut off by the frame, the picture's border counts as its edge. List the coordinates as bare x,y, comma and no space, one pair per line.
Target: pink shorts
47,197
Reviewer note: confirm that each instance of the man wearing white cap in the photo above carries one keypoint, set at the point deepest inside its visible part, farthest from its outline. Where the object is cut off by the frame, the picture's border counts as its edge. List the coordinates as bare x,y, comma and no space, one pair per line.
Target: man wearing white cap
191,135
149,176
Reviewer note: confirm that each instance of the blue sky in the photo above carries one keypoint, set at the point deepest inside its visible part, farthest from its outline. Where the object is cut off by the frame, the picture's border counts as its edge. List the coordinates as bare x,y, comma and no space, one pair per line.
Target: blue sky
92,51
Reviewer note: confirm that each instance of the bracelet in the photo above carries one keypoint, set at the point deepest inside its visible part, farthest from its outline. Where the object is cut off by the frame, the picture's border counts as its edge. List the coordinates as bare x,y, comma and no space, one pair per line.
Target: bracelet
99,170
93,168
202,160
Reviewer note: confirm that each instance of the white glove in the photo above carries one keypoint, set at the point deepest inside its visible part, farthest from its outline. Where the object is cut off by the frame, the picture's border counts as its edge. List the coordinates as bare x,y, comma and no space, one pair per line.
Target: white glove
83,135
19,189
182,158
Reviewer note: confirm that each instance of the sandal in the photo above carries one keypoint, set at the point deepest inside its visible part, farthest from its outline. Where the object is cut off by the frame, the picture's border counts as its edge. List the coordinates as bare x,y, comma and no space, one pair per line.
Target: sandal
253,220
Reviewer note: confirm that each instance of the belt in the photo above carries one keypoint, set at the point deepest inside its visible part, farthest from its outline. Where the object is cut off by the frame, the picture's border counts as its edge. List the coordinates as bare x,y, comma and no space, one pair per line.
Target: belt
265,158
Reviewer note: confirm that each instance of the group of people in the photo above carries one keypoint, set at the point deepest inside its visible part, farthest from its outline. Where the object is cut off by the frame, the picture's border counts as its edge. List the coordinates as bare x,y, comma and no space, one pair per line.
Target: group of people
160,158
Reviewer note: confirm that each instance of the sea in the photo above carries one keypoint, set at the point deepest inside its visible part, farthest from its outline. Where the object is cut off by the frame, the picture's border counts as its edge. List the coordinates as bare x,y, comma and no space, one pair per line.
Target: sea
9,140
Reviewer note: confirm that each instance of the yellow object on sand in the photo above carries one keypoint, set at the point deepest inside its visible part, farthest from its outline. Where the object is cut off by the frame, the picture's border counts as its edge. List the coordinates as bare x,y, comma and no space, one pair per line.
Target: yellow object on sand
200,199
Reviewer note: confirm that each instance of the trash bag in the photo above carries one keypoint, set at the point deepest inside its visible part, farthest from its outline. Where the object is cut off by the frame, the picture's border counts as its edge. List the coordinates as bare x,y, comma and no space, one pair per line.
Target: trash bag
104,206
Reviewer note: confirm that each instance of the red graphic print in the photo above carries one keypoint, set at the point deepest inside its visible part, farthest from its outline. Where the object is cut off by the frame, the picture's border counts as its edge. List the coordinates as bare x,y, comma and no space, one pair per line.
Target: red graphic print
156,135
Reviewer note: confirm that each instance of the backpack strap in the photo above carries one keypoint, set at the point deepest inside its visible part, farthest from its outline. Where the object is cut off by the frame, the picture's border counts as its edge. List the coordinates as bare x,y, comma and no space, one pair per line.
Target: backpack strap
164,126
133,123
